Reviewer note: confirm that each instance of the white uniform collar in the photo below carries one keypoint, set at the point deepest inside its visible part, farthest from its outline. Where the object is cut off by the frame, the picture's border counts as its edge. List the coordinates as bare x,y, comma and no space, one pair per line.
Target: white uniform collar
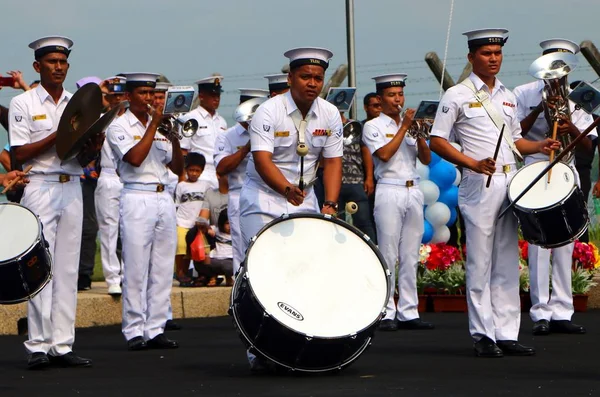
479,83
291,105
134,120
204,113
43,94
387,119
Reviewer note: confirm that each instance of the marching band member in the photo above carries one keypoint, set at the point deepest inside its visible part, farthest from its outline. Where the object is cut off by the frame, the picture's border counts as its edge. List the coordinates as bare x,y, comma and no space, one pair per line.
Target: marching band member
271,186
210,124
232,151
551,312
278,84
160,92
148,226
107,195
475,111
398,199
54,195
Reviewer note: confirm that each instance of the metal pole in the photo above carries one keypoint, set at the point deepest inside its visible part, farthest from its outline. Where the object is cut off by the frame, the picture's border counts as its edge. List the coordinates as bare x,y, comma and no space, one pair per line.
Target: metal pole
350,44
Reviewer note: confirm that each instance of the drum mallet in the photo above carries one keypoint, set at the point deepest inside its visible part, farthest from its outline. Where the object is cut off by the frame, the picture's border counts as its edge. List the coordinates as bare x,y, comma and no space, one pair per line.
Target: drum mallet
351,207
489,180
562,154
16,180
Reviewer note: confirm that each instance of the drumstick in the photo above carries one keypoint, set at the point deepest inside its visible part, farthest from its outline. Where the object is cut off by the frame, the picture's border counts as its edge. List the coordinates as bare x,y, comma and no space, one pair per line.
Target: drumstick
554,130
487,184
562,154
17,179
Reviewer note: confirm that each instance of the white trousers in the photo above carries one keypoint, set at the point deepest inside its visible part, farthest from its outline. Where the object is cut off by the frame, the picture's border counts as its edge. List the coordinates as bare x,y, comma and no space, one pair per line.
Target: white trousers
107,197
492,257
149,238
233,213
51,313
399,218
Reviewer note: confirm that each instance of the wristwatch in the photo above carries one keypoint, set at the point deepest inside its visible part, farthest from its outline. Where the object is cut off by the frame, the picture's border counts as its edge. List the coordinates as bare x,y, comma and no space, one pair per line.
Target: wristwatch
331,204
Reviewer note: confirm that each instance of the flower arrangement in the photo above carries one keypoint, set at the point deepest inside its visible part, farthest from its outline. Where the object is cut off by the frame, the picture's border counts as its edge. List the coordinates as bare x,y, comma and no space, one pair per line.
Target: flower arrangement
442,268
586,259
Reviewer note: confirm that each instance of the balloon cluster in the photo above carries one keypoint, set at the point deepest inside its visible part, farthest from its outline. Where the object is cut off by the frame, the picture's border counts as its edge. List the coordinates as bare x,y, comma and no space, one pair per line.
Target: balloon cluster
439,184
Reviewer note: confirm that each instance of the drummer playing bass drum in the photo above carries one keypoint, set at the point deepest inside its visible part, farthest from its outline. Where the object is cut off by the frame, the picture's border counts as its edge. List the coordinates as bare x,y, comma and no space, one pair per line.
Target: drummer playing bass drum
551,312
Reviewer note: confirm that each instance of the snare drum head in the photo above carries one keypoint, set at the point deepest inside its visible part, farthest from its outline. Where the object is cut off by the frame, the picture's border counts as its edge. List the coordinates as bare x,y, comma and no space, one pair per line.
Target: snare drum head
19,230
542,194
317,276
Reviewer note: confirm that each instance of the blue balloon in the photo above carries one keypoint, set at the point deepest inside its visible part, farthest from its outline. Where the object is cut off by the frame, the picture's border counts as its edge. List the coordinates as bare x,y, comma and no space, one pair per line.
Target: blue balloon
427,232
449,197
453,216
434,160
442,174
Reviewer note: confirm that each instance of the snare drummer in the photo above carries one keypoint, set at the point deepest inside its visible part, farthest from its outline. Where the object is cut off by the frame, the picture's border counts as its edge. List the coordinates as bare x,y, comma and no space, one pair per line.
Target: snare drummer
54,194
492,249
148,226
551,312
398,200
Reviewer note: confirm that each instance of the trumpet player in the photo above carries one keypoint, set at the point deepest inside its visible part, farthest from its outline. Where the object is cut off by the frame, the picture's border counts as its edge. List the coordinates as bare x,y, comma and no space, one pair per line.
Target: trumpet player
551,311
148,222
398,199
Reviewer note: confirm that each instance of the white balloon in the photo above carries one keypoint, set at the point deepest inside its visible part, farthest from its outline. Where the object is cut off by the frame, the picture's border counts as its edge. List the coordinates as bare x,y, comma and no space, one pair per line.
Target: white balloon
441,235
422,170
438,214
456,146
458,178
431,191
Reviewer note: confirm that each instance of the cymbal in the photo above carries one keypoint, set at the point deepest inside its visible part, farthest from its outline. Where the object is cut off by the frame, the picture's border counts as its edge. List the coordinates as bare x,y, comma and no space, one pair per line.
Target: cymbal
81,112
99,126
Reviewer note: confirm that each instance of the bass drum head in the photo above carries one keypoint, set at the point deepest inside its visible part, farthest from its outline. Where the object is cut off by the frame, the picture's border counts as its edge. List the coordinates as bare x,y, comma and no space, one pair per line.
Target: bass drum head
542,194
317,275
21,230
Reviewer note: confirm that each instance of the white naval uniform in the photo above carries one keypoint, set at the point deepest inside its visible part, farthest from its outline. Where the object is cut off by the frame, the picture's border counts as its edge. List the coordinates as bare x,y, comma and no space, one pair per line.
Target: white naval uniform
203,141
107,196
33,116
559,304
492,244
148,229
273,130
227,144
398,213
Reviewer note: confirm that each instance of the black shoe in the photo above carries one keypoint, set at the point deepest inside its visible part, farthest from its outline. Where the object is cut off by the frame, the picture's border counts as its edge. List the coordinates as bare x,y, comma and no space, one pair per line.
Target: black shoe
514,348
84,283
172,326
162,342
388,325
70,360
38,360
416,323
137,343
541,327
485,347
566,327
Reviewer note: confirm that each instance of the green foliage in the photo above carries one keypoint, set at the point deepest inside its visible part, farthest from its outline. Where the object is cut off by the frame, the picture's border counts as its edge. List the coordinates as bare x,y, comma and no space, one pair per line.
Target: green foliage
581,281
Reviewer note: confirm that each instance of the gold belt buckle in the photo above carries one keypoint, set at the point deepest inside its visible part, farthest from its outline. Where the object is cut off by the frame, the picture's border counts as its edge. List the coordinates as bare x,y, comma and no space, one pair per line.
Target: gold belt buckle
160,188
410,183
506,168
64,178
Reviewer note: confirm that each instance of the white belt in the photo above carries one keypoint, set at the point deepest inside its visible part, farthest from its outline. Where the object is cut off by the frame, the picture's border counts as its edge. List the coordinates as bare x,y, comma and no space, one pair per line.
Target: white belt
146,187
59,178
108,171
398,182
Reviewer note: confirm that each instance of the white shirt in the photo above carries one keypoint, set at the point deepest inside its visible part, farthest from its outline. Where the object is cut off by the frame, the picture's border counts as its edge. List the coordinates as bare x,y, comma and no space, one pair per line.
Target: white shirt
203,141
107,158
460,113
32,116
229,143
377,133
189,197
223,246
273,130
528,97
125,133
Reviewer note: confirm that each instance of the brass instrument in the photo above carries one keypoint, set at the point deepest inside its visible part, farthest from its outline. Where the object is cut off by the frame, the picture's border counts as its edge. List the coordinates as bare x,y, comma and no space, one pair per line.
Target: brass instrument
171,123
352,132
420,128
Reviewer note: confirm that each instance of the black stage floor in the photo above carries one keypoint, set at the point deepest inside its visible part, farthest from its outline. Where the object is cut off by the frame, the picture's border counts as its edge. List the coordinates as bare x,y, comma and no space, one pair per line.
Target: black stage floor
211,362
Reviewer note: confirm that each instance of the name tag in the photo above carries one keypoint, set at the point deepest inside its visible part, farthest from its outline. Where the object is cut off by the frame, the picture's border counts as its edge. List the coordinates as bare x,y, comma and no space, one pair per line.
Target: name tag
389,135
137,137
281,134
39,117
474,105
321,132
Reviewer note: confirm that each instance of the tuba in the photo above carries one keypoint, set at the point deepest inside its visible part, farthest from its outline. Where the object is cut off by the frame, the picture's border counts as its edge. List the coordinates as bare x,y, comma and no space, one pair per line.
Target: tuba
553,69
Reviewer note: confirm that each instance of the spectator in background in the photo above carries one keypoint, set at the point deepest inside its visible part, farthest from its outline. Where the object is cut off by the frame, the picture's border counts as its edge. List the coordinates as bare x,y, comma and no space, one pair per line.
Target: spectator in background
221,257
18,84
372,107
215,201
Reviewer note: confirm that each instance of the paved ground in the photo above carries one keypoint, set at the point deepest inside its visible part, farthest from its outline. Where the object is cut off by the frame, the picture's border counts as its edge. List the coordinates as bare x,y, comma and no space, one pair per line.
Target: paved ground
211,362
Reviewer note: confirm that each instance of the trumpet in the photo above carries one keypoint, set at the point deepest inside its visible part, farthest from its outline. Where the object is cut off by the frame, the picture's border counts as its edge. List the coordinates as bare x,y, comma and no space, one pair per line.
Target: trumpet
172,124
420,128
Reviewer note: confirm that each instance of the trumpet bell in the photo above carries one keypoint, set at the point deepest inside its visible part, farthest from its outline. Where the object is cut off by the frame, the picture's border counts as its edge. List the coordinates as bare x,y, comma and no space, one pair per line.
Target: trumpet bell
553,66
352,132
189,128
245,111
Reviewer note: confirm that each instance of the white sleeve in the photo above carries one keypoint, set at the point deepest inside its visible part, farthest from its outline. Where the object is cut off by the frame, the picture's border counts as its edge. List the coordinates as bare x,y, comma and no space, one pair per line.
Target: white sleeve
334,146
445,117
120,140
372,137
18,124
222,148
262,131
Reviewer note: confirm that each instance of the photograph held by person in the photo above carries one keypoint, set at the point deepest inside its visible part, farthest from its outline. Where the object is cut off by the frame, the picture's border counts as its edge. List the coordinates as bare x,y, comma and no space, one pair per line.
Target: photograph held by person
148,224
398,199
492,244
551,309
54,195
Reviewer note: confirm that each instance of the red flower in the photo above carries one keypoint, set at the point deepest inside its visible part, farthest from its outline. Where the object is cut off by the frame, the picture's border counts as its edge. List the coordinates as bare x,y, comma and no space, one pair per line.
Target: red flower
524,249
442,256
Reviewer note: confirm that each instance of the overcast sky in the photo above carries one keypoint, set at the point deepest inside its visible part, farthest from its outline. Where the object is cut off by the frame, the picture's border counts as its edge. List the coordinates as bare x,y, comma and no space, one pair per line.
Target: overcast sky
190,39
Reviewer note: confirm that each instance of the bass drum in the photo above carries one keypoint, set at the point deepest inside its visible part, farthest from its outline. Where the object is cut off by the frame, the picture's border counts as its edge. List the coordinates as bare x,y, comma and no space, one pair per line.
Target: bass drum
551,214
310,293
25,263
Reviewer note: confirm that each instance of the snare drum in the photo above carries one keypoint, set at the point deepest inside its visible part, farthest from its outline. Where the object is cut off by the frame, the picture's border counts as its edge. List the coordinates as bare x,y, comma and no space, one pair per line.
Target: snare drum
551,214
25,263
310,293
